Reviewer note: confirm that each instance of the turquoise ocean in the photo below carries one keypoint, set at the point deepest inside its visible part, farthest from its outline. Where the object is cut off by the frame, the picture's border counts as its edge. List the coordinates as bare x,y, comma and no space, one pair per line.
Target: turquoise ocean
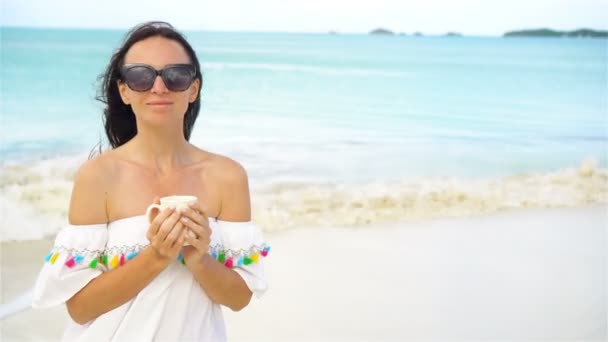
333,129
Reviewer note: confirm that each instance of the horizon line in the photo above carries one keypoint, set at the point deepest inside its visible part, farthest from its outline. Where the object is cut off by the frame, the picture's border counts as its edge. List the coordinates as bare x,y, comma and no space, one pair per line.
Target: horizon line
331,31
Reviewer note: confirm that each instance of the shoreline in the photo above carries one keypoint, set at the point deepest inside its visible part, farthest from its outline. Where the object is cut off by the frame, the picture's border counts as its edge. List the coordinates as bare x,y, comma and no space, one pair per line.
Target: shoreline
42,194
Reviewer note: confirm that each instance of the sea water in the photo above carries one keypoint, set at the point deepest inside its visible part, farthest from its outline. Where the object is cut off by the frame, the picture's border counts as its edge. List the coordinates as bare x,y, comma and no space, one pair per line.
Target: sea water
333,129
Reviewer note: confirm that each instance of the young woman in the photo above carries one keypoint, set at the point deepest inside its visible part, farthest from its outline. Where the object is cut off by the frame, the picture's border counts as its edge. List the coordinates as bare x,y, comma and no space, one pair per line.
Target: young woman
125,276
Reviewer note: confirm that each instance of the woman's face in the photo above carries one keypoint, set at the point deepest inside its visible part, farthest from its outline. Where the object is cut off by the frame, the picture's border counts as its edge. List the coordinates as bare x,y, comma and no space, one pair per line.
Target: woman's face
159,105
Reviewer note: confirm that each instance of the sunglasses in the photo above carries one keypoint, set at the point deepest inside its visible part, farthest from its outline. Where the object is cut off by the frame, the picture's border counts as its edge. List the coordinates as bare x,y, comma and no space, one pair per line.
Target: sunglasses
141,77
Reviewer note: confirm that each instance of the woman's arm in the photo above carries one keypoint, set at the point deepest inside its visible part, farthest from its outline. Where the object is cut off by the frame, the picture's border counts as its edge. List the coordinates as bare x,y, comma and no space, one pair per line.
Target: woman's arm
223,285
116,287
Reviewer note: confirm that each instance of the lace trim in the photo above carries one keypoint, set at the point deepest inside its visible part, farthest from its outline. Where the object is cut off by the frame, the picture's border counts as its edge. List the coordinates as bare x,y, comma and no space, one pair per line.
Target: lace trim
111,250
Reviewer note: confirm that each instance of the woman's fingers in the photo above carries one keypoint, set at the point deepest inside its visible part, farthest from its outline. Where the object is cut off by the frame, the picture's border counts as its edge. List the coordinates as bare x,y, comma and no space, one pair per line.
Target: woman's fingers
195,215
198,236
197,224
199,242
181,240
167,225
174,235
198,206
158,221
198,229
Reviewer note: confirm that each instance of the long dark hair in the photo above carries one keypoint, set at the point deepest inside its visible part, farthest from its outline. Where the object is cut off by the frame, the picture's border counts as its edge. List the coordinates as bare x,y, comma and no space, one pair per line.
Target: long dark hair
119,119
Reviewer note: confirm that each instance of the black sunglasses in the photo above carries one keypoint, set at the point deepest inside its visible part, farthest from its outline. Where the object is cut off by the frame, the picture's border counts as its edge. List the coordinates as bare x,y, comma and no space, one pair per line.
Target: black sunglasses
141,77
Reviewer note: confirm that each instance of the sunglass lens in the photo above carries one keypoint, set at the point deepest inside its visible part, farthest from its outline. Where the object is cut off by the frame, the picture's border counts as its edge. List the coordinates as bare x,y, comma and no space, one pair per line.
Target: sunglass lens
177,78
140,78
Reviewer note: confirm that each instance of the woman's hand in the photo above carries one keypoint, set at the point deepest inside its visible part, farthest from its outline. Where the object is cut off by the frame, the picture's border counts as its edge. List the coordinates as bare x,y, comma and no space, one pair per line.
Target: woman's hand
167,234
199,236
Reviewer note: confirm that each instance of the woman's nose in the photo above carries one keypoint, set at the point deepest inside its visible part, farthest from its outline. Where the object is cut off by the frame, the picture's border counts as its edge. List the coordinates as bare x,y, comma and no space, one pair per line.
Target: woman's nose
159,86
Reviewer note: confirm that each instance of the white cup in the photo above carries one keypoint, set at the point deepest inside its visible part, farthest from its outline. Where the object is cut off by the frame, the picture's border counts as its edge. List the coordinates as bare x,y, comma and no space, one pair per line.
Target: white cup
179,202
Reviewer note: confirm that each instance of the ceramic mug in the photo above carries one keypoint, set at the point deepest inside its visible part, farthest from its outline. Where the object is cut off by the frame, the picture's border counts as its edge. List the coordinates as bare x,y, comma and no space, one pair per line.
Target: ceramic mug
179,202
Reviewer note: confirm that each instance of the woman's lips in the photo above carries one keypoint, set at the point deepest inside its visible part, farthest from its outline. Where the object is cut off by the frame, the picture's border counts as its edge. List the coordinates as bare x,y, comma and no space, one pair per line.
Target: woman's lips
159,103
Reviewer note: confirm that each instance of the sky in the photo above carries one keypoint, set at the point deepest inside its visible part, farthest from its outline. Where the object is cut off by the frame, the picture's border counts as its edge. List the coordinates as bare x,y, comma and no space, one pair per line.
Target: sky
470,17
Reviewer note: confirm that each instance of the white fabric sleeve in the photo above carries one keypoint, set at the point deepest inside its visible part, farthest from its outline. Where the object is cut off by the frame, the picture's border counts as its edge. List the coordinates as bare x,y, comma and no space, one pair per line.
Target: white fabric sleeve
76,258
243,244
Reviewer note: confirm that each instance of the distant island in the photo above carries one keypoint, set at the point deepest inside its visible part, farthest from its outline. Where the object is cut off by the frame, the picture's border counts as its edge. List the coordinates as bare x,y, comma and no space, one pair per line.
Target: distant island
381,31
385,32
581,33
543,32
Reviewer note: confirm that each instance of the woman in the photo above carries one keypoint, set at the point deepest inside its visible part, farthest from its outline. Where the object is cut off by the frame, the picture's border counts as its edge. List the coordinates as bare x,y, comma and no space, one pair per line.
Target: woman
122,275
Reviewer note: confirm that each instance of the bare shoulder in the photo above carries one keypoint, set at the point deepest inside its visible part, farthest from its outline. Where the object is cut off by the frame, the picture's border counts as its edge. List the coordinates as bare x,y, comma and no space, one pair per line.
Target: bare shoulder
234,187
220,168
229,170
88,200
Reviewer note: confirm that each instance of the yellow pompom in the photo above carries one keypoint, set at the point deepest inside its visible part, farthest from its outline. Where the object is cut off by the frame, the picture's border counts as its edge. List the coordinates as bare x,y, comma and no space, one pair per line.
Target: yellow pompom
54,258
114,261
255,257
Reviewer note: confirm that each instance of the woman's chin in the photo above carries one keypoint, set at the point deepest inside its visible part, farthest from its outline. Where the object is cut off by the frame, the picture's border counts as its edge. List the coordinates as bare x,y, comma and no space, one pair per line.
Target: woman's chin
161,119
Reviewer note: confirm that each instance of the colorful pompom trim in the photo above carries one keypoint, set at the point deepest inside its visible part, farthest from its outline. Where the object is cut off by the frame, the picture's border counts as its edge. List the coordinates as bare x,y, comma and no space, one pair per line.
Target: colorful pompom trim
234,258
112,257
118,256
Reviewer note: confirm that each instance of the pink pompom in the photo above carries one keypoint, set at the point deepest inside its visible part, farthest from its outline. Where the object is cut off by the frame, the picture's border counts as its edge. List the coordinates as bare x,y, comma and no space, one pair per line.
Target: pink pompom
70,263
229,263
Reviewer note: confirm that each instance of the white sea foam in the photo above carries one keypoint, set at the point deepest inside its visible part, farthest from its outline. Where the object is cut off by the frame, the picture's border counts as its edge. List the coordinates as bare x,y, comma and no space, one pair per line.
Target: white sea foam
284,206
35,198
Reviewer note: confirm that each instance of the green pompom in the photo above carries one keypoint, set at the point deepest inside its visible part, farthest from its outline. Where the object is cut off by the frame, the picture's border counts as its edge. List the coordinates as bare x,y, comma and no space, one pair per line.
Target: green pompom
248,261
104,259
93,263
222,257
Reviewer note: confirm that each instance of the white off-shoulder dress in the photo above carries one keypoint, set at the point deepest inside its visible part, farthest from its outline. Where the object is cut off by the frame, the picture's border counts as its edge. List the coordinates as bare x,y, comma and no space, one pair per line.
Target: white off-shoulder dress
173,307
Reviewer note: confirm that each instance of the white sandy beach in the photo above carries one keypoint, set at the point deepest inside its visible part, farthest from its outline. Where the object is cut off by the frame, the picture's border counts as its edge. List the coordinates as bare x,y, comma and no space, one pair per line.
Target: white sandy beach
526,275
